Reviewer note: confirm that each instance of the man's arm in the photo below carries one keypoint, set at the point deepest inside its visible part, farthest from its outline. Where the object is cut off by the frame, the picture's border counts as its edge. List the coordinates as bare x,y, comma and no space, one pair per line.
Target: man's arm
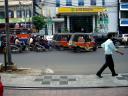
103,45
115,49
119,52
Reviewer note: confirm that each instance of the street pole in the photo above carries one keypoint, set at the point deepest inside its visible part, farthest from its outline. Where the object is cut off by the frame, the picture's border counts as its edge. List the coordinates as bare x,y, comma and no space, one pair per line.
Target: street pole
20,9
118,17
34,9
25,10
7,49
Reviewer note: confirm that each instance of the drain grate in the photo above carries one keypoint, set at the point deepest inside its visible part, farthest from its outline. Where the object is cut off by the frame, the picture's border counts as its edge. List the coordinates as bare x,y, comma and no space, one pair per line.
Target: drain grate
62,80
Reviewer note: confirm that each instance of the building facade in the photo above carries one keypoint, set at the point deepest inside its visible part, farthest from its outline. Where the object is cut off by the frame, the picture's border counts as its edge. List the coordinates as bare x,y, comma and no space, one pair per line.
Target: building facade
82,15
67,15
123,16
37,7
20,12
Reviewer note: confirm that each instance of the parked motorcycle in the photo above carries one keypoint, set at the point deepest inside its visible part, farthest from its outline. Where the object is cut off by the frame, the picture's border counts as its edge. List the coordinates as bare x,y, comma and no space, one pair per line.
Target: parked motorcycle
37,47
16,49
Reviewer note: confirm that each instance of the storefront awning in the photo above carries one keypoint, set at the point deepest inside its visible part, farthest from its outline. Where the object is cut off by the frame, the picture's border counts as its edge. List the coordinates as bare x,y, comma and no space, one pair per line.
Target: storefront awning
63,10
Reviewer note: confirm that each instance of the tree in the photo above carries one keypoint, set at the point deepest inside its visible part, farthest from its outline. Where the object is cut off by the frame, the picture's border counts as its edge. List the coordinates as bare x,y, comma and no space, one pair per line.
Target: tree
39,22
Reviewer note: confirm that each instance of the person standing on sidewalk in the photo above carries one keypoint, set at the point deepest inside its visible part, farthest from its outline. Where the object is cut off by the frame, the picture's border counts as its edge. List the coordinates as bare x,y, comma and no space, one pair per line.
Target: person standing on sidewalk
109,48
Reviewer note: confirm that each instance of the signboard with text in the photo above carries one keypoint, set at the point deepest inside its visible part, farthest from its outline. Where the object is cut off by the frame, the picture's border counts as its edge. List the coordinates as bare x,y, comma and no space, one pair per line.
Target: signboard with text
80,9
16,20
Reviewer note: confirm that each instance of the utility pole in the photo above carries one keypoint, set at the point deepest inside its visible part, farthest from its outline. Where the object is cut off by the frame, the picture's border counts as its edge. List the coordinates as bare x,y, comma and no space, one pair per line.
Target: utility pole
34,7
118,15
20,9
8,61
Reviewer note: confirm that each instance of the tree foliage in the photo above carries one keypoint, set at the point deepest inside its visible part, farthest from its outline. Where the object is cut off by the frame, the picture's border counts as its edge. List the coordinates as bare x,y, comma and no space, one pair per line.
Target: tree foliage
39,22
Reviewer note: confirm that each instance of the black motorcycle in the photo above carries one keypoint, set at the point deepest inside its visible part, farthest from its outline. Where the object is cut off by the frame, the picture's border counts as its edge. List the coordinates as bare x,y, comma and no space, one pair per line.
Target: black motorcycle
15,49
37,47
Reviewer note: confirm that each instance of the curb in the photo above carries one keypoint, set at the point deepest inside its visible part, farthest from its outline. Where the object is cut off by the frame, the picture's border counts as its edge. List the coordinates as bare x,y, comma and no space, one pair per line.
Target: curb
59,88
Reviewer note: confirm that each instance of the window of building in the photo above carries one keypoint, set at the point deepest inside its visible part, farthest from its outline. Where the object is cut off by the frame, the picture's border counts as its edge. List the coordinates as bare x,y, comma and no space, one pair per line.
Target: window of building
2,15
28,13
57,3
23,13
93,2
81,2
10,14
68,2
124,14
18,13
123,0
103,2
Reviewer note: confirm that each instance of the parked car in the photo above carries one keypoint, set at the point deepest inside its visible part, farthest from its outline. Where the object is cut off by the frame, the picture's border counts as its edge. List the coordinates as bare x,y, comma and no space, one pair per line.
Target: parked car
125,38
60,40
82,42
102,37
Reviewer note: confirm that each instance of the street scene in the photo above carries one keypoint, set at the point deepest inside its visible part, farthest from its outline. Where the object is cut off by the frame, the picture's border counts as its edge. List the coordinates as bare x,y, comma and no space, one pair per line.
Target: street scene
63,47
67,62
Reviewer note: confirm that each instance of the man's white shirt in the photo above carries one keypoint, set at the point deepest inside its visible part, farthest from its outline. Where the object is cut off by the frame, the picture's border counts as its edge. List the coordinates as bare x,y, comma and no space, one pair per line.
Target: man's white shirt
108,46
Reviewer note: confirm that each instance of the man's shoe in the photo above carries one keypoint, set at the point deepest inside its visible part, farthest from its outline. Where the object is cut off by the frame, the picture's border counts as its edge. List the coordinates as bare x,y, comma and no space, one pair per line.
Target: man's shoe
99,76
114,74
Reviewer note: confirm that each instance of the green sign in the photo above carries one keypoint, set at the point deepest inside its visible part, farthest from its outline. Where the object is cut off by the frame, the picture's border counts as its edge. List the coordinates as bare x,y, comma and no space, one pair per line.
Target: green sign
16,20
49,21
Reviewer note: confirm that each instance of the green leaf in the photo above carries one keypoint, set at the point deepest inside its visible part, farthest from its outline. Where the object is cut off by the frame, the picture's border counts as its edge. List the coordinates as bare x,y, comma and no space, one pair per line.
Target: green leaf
39,22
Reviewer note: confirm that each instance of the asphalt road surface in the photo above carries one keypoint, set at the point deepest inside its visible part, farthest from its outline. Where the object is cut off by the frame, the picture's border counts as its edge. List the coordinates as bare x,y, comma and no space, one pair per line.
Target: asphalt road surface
67,62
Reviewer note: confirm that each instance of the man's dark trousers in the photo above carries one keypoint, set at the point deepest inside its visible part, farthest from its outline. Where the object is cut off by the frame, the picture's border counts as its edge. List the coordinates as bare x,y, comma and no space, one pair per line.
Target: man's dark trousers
108,63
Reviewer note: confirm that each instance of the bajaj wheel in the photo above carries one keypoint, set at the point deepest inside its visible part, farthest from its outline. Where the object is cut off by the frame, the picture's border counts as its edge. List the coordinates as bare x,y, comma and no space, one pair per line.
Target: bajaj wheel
94,48
15,49
76,49
61,48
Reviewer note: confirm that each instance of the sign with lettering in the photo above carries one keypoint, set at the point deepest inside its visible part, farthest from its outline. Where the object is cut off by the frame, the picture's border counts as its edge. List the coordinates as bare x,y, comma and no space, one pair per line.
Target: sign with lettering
80,9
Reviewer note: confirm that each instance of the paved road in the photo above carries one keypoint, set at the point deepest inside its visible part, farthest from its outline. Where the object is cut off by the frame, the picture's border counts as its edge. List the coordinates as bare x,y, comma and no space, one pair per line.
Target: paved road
68,62
68,92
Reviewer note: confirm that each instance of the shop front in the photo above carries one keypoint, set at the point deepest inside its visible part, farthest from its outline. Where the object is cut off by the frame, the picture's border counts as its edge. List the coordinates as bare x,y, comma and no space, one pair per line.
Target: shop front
84,19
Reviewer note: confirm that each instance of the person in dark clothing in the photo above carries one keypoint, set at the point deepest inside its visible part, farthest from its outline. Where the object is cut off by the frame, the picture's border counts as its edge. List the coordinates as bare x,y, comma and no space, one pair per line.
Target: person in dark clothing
109,48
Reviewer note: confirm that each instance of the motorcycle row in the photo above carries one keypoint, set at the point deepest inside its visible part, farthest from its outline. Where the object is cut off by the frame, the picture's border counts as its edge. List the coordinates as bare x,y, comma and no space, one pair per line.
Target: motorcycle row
34,43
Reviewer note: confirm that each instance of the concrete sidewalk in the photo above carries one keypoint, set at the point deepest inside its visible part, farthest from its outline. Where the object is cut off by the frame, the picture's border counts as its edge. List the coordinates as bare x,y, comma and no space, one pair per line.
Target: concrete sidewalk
38,80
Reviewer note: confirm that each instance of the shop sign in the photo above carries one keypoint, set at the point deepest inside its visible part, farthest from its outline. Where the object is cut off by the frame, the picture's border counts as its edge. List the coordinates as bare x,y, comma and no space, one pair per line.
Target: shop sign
16,20
80,9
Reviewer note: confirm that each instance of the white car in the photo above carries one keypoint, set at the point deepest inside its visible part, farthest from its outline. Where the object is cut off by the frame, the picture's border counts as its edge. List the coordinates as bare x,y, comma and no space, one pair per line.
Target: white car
124,37
49,37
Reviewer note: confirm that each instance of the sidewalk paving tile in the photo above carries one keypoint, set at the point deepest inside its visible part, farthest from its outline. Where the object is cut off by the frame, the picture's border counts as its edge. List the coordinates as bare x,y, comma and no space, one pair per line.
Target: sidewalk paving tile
92,80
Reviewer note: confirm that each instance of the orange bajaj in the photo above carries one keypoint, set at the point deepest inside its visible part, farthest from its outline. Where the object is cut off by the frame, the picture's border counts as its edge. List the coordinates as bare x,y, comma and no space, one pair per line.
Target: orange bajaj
60,40
82,42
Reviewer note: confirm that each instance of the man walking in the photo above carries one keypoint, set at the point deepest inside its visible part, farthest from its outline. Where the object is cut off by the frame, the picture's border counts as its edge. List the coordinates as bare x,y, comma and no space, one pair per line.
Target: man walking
109,48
